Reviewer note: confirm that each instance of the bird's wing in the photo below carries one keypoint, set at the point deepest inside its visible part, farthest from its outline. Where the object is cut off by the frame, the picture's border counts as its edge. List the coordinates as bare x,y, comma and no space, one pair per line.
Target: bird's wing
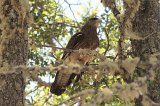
63,79
78,41
73,43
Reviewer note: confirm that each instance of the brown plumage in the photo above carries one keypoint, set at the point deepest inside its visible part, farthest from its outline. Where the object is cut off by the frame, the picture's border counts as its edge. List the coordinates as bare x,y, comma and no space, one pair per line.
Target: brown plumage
85,39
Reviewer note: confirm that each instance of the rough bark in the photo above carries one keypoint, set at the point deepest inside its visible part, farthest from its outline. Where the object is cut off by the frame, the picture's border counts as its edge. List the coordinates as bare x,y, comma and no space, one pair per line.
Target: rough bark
146,24
14,18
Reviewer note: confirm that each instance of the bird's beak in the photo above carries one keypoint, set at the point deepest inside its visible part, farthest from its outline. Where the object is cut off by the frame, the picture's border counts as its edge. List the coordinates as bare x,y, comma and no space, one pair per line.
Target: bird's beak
98,21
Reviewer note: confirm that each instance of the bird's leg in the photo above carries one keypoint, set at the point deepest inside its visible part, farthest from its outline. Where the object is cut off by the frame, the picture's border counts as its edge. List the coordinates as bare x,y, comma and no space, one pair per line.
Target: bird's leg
79,77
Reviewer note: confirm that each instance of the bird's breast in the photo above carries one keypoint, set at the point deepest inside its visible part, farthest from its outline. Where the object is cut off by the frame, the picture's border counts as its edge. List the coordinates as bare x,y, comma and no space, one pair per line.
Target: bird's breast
92,43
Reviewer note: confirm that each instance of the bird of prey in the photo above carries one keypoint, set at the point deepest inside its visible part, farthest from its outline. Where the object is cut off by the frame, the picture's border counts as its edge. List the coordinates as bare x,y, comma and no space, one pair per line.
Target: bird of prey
85,39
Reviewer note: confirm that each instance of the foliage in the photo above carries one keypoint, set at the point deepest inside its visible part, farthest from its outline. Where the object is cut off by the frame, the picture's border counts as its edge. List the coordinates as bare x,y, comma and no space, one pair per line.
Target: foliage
52,28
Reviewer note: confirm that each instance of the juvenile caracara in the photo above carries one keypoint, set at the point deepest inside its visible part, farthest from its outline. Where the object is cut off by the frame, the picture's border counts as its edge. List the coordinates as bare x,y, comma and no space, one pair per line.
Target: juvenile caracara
85,39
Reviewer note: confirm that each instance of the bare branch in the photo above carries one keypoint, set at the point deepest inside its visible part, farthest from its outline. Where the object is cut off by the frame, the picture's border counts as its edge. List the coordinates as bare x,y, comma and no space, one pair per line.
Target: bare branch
72,12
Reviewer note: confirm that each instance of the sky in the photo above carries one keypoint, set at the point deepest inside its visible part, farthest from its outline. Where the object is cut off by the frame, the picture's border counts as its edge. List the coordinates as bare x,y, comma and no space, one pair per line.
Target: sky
82,5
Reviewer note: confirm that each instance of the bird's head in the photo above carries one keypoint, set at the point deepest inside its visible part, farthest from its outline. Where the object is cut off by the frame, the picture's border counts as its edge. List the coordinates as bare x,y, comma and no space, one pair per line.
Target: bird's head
90,24
94,22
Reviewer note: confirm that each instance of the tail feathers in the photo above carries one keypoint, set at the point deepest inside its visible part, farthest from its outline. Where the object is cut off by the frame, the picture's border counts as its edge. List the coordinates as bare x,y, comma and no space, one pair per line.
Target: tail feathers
57,90
62,80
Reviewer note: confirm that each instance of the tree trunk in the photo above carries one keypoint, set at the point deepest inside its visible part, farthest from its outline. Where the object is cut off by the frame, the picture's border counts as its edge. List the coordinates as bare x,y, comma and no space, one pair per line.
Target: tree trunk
147,24
14,18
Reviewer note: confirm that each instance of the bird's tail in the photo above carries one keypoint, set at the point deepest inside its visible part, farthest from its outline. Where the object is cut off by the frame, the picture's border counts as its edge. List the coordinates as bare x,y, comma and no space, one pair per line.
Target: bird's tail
62,80
57,90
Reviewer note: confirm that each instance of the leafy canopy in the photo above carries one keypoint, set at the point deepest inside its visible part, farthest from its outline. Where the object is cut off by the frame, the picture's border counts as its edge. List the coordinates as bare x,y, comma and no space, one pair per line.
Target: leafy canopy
53,27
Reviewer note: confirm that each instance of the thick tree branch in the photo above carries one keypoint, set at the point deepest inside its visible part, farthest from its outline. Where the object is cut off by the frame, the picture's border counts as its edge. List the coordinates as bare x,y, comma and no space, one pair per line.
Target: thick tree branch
124,20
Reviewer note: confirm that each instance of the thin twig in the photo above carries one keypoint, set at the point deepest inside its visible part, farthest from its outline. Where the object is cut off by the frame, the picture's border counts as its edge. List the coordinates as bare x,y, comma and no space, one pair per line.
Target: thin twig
46,100
72,12
80,94
32,91
60,48
107,48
